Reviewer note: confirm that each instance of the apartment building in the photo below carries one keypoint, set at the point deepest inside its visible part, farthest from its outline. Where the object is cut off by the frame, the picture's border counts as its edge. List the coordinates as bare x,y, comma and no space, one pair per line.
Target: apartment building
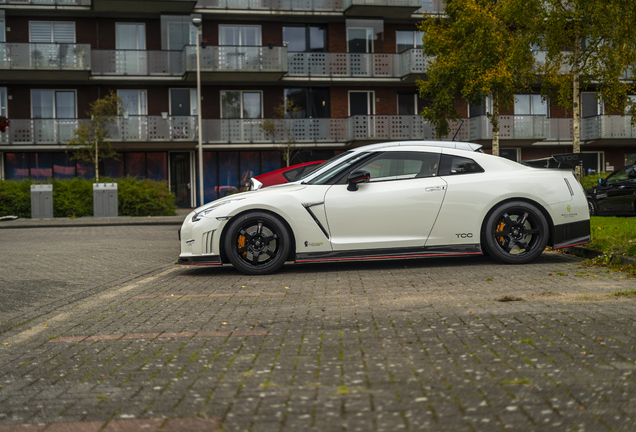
349,66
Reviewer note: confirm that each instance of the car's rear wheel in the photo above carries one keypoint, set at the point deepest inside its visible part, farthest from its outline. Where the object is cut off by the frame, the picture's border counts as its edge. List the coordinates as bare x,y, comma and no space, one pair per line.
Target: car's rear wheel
515,233
257,243
591,207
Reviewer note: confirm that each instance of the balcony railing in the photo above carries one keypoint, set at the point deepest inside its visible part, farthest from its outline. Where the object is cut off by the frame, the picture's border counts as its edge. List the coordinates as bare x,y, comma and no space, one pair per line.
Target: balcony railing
137,62
232,131
276,5
355,65
237,59
176,63
47,2
607,127
45,56
432,7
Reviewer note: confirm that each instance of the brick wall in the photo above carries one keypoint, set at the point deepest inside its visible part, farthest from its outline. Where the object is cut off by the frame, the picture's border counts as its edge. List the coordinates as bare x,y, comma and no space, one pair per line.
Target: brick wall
337,37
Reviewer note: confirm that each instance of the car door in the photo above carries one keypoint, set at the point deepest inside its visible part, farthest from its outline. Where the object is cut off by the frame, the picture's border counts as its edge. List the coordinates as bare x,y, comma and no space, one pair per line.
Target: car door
615,194
397,208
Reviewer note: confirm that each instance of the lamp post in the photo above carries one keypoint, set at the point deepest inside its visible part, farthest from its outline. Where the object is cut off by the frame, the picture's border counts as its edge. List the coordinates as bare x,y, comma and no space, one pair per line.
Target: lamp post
197,23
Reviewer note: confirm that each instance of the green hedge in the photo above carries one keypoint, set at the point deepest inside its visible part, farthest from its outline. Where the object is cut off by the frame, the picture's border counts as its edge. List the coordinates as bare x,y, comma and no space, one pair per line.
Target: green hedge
74,198
591,180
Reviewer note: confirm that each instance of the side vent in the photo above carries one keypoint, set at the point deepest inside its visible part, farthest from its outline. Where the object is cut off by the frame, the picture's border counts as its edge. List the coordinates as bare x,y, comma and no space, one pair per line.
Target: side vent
206,247
569,187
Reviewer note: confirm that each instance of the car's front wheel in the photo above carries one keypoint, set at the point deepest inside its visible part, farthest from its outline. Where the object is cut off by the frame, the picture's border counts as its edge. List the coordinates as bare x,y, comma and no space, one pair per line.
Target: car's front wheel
257,243
515,233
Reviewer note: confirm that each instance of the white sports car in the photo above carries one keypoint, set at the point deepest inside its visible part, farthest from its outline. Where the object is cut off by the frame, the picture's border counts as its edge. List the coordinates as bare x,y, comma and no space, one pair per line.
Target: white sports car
394,200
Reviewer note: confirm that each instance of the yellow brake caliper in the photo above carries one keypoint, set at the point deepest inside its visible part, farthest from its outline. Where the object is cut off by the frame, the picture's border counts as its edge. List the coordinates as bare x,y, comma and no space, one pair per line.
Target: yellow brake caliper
241,244
500,227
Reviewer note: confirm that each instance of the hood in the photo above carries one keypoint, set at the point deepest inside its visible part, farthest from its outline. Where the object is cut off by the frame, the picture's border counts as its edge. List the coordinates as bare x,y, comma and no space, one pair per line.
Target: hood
271,190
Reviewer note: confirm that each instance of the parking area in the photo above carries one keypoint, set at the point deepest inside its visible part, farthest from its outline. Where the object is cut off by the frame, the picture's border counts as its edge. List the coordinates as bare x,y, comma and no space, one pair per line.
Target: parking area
101,331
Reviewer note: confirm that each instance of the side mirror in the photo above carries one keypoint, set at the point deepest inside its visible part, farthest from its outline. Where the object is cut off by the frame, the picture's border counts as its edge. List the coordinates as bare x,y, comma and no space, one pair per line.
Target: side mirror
356,177
600,181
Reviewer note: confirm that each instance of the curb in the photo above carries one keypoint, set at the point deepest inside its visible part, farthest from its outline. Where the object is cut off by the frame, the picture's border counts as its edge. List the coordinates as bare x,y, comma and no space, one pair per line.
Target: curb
92,222
593,253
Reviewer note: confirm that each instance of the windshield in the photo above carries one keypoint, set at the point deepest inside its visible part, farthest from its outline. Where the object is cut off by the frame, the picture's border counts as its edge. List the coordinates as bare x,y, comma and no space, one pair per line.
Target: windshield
337,168
324,164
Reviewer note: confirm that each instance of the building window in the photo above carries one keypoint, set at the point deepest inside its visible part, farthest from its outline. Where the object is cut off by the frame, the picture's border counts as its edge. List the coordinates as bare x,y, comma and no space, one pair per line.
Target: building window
530,104
2,27
177,31
630,158
183,102
241,104
51,32
130,36
53,104
239,35
591,106
485,107
134,101
3,102
408,39
305,39
361,103
593,162
313,102
361,34
409,103
512,154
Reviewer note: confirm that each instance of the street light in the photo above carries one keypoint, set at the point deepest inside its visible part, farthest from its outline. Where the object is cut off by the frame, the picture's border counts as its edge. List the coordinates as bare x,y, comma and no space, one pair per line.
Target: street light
197,23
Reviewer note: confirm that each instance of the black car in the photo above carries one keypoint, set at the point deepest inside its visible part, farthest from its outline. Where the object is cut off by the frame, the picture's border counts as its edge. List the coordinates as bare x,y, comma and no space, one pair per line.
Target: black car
615,195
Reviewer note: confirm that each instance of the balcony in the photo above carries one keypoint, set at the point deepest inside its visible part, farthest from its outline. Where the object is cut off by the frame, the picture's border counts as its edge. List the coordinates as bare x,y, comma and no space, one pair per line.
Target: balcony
382,8
607,127
273,5
142,129
335,66
523,127
237,63
26,61
137,63
144,6
435,7
47,4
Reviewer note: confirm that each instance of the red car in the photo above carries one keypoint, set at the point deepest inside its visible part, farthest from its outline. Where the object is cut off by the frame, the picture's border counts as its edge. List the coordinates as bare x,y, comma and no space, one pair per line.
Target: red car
283,175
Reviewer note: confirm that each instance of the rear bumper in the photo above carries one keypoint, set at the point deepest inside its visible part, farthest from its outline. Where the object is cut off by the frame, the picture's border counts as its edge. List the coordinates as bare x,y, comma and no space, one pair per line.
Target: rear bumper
571,234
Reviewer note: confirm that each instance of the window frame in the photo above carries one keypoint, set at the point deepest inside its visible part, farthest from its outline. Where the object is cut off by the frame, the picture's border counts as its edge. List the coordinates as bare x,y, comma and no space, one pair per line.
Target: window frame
52,33
193,98
139,99
135,24
241,107
414,33
532,107
370,93
55,91
240,26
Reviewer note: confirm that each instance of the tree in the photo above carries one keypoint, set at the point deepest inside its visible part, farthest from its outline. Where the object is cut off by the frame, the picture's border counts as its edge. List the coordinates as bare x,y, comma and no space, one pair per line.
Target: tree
280,129
480,49
91,141
587,42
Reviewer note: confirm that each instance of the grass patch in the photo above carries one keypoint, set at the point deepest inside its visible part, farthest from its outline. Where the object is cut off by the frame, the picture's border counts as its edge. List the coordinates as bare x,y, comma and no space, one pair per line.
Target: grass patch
102,397
53,337
611,263
613,235
628,293
528,341
343,390
518,381
561,273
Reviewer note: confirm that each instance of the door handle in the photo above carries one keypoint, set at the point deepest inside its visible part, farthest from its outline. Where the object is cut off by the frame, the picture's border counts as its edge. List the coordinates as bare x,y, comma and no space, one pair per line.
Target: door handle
435,188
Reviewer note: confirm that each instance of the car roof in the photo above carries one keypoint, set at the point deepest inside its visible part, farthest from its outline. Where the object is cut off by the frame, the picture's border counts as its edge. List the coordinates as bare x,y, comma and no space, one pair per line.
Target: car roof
459,145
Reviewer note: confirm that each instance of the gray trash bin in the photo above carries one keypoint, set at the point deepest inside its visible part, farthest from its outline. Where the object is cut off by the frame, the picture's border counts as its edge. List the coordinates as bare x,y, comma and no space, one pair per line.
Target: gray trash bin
105,200
41,201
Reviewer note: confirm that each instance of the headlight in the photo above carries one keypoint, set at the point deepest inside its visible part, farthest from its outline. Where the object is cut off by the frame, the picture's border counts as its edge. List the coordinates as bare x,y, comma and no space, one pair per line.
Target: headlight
204,213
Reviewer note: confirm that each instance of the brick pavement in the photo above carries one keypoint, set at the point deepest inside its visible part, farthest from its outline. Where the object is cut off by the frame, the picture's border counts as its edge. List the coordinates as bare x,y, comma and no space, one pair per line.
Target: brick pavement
384,346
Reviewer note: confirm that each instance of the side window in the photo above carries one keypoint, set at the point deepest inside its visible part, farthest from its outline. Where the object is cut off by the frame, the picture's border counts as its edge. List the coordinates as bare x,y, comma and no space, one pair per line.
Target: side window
617,176
402,165
454,165
292,175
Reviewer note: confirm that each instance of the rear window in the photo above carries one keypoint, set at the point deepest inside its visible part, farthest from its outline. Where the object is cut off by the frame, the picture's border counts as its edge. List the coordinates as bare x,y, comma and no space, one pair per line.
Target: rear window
455,165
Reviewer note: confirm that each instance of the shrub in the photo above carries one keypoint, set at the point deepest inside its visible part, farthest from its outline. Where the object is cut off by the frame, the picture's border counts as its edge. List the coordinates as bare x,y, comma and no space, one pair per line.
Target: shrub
591,180
74,198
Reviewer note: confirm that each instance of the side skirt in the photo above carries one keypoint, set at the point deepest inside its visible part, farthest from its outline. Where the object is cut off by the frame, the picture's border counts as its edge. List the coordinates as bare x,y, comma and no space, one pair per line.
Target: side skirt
372,254
201,260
